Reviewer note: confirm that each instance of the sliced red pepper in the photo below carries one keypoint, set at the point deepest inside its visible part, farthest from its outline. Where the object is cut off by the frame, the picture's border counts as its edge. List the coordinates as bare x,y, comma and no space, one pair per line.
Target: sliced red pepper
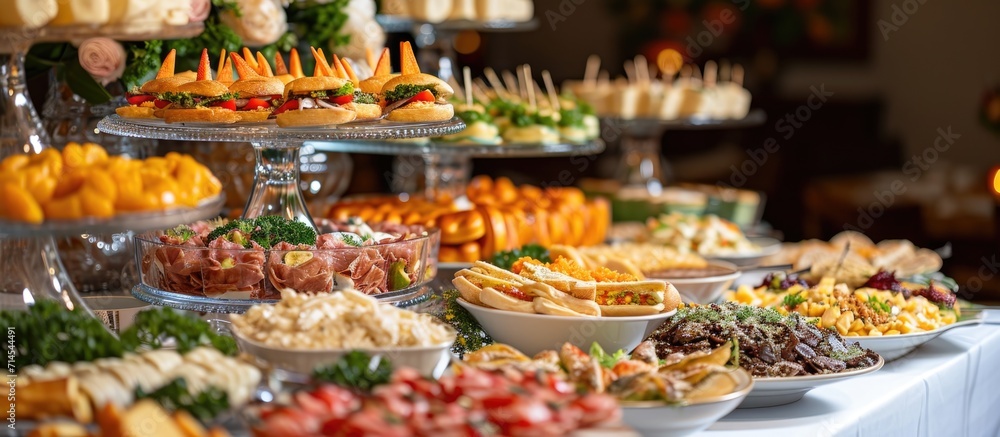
342,100
288,106
423,96
255,104
228,104
160,104
139,99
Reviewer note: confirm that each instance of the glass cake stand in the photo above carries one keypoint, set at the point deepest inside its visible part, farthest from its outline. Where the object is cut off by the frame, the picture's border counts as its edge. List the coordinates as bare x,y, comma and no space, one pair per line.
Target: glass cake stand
29,258
276,189
641,163
448,166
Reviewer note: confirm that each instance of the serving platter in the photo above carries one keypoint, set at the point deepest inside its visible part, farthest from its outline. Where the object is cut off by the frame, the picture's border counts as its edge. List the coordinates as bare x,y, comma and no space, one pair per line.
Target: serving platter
768,246
891,347
771,392
675,420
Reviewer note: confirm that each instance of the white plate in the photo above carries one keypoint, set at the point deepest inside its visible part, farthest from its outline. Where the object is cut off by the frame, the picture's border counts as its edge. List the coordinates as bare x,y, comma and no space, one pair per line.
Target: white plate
768,246
659,419
770,392
892,347
705,289
533,333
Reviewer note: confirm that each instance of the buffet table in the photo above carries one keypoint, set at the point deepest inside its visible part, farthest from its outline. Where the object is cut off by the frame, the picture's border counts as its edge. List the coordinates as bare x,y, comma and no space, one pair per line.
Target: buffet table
948,386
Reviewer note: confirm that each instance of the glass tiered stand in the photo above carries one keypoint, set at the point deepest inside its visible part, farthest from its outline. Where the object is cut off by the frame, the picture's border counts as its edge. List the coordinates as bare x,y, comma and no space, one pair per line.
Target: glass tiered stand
276,189
30,266
641,162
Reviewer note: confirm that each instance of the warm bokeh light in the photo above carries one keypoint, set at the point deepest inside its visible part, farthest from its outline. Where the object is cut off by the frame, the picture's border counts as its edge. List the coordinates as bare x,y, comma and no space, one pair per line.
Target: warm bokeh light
467,42
669,61
995,177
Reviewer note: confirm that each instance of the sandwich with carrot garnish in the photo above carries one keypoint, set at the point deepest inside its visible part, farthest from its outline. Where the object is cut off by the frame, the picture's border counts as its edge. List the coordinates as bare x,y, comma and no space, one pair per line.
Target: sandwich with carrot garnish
365,104
316,101
414,96
202,101
256,96
142,101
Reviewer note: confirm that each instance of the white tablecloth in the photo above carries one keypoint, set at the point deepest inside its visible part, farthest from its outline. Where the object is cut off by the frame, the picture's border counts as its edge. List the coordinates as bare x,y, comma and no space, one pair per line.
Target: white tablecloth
949,387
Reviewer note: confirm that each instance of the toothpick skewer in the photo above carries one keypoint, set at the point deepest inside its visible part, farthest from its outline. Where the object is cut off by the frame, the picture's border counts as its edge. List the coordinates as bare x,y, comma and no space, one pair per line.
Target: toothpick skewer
630,71
551,90
467,75
590,74
495,83
641,69
482,87
512,86
738,74
711,73
479,90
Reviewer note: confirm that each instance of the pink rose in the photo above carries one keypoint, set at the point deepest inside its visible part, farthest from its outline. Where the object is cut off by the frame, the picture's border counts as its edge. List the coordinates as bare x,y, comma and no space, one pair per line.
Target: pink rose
103,58
200,10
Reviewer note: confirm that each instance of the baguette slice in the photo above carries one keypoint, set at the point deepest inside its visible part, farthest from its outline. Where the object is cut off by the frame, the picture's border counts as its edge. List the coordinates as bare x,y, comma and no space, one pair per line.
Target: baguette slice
579,289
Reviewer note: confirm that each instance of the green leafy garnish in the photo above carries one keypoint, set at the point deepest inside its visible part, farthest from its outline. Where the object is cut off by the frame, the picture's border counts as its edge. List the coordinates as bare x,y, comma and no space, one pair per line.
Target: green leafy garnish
470,117
793,300
878,305
48,332
506,259
181,232
320,22
204,406
571,117
266,231
188,100
605,360
356,370
405,91
155,326
351,240
365,98
471,336
144,59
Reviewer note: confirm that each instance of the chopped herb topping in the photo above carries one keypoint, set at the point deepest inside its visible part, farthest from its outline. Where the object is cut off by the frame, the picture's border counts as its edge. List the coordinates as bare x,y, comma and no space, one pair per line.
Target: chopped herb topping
406,91
187,100
365,98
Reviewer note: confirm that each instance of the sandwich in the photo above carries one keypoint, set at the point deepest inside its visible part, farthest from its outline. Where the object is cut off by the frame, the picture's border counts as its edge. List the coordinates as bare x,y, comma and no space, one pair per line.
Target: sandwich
479,126
617,294
417,97
488,285
203,100
365,104
143,100
316,101
256,95
531,127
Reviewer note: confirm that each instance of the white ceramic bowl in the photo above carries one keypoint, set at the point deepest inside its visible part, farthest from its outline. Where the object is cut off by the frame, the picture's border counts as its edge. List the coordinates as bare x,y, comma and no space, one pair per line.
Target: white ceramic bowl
770,392
702,289
659,419
430,361
533,333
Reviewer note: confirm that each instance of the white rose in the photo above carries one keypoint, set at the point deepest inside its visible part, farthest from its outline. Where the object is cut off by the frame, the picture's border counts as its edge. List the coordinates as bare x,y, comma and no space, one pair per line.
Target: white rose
364,32
200,10
103,58
262,23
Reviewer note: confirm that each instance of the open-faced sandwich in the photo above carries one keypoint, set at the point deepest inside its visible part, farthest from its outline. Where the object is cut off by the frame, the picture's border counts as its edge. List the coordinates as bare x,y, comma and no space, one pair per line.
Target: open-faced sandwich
256,95
479,126
531,126
203,100
142,101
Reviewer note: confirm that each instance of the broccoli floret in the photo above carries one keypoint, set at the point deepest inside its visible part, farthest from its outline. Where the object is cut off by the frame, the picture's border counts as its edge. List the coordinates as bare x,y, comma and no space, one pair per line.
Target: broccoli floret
273,229
183,233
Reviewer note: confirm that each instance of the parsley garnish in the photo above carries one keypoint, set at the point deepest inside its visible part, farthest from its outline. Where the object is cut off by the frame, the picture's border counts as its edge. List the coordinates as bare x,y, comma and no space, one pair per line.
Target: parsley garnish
406,91
365,98
878,305
793,300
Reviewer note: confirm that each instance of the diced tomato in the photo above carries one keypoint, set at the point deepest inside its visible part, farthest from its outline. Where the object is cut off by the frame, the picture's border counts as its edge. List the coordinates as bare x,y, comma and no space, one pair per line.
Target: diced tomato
255,104
139,99
160,104
342,100
288,106
515,293
228,104
423,96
